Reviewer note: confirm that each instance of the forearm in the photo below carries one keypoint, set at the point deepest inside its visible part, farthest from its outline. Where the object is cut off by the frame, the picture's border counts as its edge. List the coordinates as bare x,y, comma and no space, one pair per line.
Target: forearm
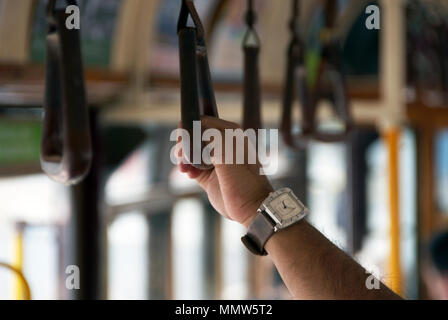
314,268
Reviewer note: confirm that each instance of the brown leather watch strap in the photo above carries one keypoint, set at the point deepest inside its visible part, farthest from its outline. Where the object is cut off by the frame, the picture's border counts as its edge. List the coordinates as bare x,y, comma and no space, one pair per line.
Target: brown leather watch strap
259,232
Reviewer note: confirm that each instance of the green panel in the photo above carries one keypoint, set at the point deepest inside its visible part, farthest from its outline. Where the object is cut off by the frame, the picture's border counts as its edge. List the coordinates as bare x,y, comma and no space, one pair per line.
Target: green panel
19,142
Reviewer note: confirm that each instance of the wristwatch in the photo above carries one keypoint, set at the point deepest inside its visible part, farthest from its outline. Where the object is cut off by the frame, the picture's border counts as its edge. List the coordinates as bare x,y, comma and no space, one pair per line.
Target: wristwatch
280,210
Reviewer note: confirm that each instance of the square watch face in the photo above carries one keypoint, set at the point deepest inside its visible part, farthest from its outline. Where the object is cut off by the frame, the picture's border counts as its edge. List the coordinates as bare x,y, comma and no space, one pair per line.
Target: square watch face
285,208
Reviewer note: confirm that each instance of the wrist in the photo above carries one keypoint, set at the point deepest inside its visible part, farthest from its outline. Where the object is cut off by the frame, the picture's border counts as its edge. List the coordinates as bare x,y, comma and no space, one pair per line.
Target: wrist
253,207
278,211
248,221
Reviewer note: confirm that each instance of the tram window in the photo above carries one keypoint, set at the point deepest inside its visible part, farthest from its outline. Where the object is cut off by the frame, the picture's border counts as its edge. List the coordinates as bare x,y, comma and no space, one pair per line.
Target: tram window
40,215
41,255
165,47
227,57
188,242
327,180
98,19
130,180
127,257
234,262
361,48
441,171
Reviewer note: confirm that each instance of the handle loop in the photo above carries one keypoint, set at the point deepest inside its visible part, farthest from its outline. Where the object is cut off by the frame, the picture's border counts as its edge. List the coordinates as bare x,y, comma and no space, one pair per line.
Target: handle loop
252,86
197,94
330,85
66,150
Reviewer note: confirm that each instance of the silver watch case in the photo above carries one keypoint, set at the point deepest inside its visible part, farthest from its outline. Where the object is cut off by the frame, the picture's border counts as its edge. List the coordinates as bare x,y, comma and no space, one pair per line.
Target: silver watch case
282,220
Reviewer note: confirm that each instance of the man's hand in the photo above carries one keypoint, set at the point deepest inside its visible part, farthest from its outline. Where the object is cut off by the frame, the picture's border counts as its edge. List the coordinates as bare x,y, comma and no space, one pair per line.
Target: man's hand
235,190
310,265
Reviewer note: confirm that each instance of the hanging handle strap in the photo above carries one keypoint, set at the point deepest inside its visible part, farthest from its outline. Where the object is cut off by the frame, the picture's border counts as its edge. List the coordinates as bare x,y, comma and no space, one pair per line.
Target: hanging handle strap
189,10
66,150
331,83
197,94
252,86
296,88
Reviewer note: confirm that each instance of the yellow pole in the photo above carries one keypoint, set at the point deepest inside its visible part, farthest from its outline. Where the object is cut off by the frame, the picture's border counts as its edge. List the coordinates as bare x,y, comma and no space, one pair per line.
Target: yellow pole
392,137
18,261
393,81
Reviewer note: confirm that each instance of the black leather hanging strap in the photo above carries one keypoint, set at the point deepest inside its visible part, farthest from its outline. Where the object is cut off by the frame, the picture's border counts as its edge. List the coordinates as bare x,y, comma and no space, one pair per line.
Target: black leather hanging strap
197,94
252,87
331,83
296,88
66,150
